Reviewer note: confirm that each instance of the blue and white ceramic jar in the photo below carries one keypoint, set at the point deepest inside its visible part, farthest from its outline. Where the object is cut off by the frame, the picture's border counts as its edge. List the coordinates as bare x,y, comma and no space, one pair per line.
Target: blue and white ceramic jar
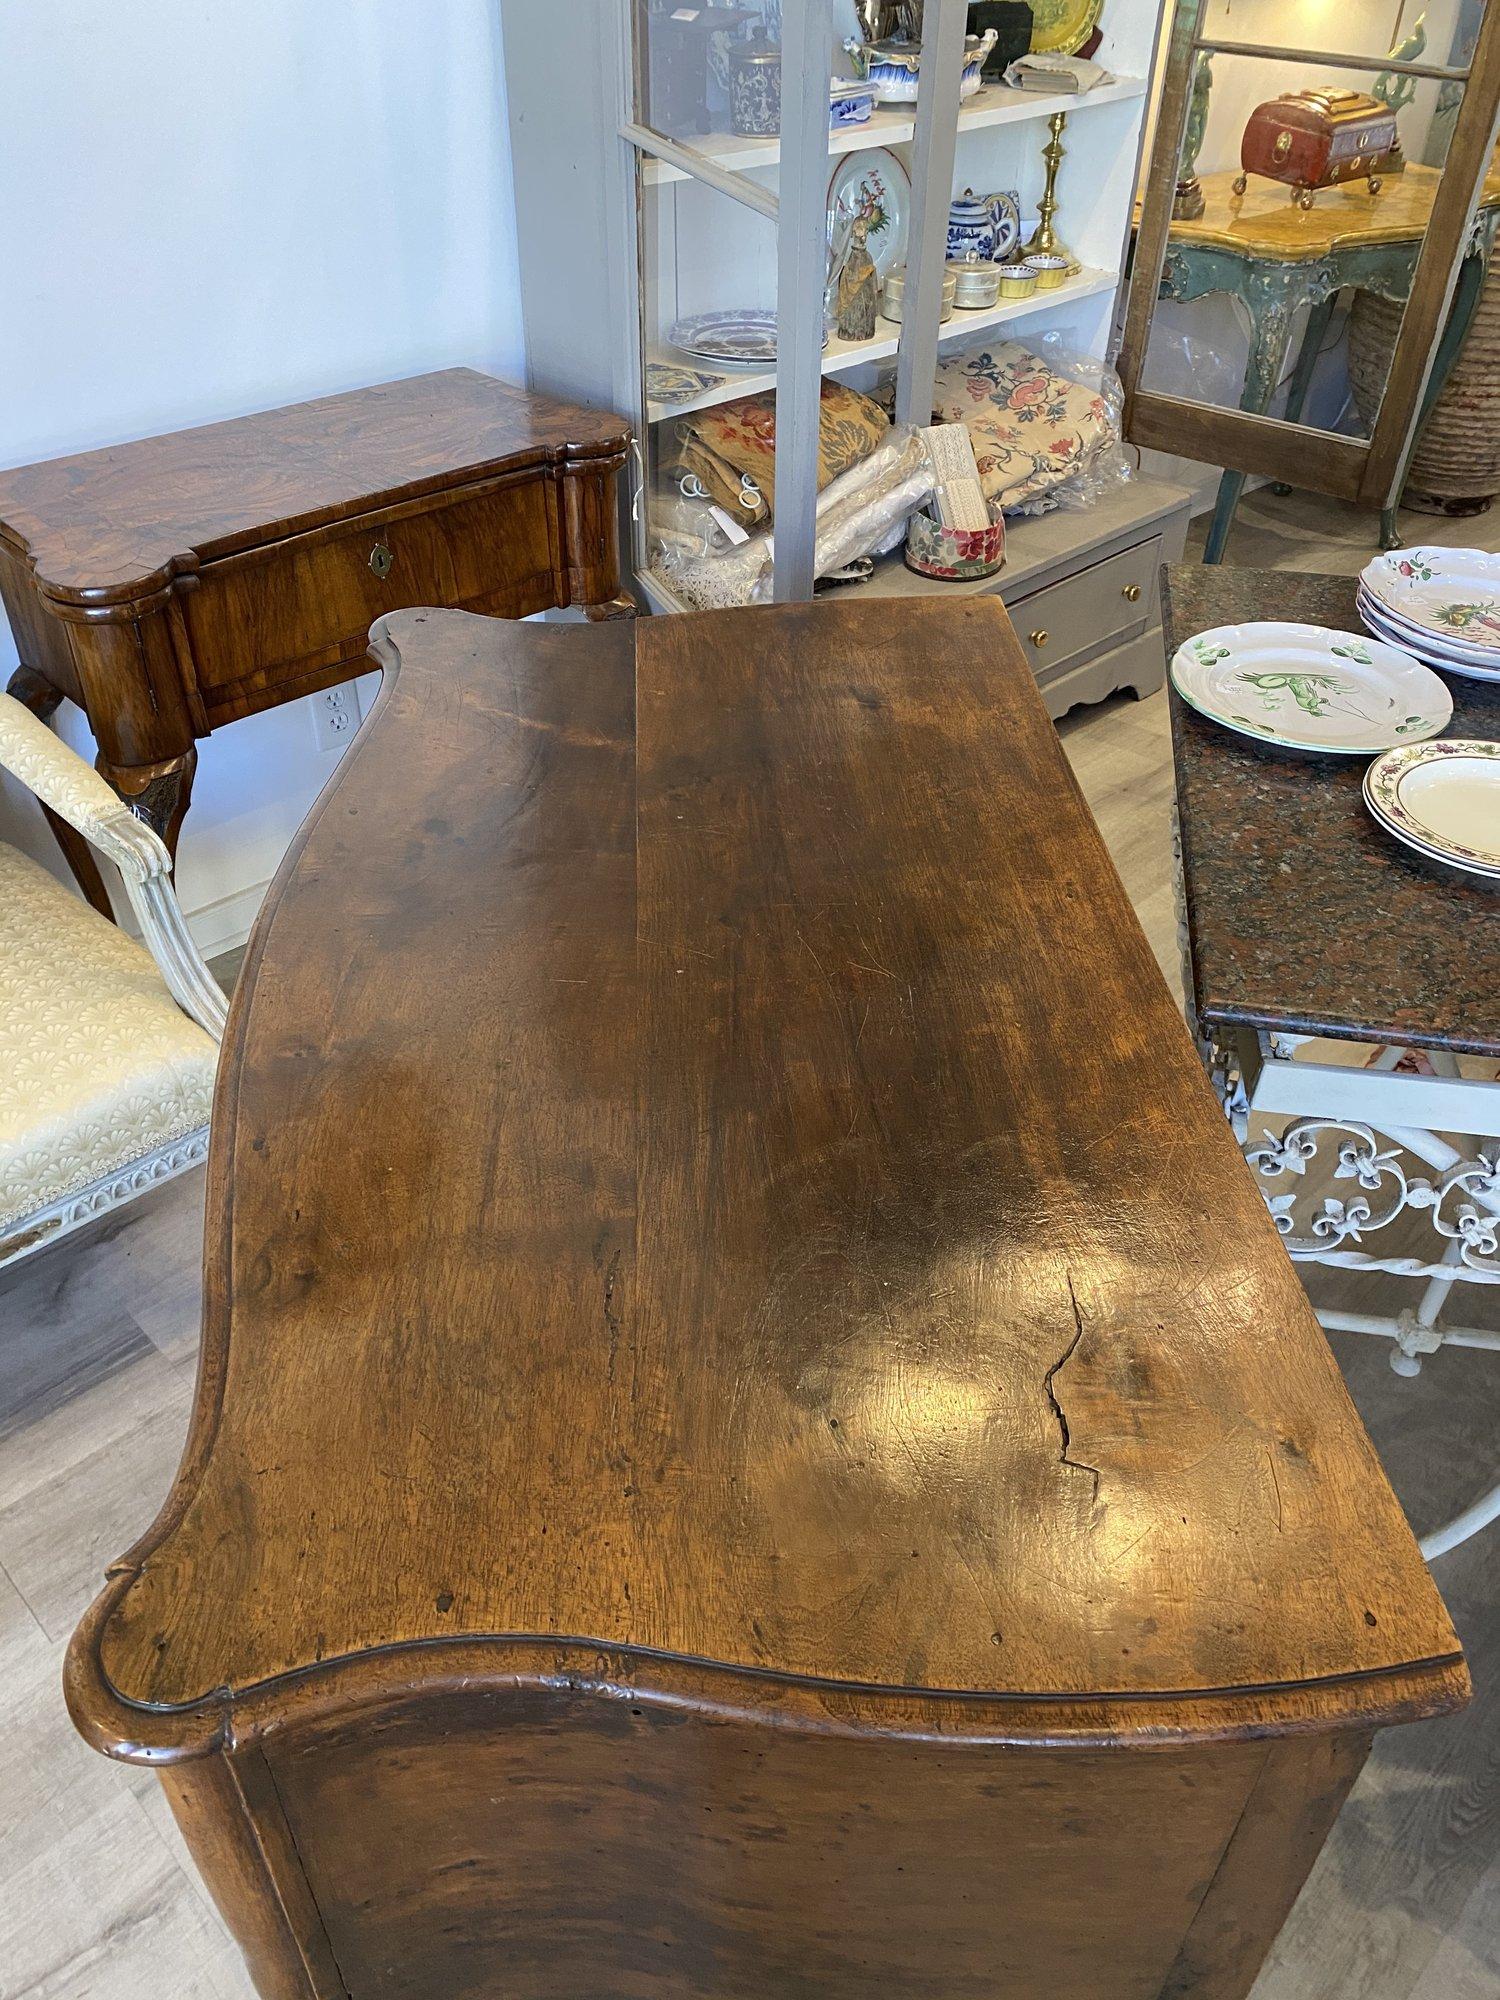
755,90
983,226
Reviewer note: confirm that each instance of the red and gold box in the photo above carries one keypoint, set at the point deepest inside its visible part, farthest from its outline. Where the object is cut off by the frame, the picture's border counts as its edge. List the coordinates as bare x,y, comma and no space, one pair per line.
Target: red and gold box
1317,138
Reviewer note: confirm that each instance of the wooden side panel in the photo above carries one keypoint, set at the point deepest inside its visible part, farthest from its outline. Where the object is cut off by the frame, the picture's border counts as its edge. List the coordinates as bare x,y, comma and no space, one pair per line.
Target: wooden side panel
1303,1783
231,1819
544,1844
591,538
41,641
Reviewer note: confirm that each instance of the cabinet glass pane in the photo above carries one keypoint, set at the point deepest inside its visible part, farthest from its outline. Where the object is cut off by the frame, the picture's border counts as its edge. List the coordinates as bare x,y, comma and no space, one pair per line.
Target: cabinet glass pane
1298,224
708,342
708,68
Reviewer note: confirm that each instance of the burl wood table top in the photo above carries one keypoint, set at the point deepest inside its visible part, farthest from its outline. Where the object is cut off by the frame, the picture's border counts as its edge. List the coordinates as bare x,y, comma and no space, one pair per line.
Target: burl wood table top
710,1189
112,524
1266,223
1302,914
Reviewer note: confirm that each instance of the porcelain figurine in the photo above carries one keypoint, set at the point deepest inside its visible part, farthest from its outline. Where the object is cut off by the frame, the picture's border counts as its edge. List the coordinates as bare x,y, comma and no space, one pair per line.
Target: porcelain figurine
984,226
857,287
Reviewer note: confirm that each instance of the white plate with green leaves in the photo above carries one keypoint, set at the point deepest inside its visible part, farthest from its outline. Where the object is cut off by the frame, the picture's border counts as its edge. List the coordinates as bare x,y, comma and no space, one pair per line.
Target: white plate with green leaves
1442,799
1303,687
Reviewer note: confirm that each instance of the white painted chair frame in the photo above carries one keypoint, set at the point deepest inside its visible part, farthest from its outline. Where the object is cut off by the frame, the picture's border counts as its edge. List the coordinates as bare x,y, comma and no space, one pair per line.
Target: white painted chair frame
62,780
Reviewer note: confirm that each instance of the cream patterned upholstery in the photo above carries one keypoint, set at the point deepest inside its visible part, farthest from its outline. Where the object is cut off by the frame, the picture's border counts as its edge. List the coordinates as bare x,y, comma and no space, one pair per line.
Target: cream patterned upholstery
60,778
99,1067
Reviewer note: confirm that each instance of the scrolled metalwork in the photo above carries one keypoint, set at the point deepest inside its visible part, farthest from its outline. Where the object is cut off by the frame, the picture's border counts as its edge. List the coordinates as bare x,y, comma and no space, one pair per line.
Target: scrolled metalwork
1462,1205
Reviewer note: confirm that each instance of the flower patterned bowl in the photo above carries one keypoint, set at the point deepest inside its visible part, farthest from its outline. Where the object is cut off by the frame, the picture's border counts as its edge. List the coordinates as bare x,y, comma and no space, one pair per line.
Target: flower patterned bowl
953,554
892,66
1443,799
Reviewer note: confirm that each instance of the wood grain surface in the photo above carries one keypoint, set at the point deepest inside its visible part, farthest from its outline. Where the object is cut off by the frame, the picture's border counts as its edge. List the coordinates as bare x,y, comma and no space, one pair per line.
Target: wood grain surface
108,525
706,1165
178,583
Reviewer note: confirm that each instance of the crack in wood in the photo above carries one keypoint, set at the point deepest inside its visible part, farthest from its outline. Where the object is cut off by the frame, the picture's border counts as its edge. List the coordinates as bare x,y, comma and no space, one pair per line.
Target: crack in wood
1065,1456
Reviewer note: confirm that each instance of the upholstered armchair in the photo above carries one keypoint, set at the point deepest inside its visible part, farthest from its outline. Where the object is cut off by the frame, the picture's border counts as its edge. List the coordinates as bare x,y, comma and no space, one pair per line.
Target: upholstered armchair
107,1047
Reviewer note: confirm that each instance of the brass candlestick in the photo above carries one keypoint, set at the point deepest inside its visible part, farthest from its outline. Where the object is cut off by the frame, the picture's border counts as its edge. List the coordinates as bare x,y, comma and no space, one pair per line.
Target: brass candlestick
1046,239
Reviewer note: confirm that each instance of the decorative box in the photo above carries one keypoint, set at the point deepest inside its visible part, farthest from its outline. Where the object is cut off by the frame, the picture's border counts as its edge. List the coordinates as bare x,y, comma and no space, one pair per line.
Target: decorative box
893,292
1317,138
976,282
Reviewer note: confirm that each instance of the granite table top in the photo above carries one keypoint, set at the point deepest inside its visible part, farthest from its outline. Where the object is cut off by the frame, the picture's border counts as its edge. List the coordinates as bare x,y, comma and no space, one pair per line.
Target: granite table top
1302,914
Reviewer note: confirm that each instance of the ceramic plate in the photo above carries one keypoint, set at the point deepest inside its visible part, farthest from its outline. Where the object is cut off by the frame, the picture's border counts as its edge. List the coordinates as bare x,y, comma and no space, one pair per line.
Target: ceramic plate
1446,643
1447,593
667,383
876,186
1448,654
1443,799
1063,25
743,336
1303,687
746,336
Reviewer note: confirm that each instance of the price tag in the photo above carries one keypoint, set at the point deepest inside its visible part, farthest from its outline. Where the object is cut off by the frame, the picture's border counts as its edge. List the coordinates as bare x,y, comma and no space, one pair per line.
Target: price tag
730,526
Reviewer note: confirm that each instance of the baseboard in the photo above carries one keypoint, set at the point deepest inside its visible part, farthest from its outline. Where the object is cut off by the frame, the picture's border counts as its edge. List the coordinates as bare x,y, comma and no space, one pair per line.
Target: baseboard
225,924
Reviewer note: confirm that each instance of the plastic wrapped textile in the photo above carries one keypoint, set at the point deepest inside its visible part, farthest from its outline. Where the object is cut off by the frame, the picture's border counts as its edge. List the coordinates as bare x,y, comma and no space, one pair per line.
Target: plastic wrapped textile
1045,421
863,509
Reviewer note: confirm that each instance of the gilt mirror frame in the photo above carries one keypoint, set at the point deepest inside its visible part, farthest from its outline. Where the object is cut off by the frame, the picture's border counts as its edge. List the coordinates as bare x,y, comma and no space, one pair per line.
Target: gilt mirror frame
1367,471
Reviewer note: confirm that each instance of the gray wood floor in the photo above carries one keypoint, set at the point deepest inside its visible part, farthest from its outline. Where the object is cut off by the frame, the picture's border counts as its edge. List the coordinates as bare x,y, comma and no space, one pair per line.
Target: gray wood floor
98,1340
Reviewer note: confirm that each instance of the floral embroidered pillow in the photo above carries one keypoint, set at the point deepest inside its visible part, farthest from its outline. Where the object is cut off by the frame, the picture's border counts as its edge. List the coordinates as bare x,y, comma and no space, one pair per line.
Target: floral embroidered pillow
1031,427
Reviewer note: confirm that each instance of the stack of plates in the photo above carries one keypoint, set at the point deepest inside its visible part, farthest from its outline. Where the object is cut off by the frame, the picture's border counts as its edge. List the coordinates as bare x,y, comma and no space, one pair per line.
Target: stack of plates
1443,799
744,336
1441,604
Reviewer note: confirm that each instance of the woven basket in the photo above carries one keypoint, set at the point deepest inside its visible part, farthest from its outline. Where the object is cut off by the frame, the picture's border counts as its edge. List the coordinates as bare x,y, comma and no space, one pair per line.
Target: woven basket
1456,464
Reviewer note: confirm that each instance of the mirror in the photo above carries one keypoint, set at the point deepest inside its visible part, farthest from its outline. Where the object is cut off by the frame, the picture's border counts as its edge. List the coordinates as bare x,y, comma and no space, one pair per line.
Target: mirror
1319,194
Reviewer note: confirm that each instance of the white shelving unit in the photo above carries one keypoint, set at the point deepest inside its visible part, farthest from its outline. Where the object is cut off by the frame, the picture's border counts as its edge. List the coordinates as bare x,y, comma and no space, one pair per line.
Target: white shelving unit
624,229
840,355
997,104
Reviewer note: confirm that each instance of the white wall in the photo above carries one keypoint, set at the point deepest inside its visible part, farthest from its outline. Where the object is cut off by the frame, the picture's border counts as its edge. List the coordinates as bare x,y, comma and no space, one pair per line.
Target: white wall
216,206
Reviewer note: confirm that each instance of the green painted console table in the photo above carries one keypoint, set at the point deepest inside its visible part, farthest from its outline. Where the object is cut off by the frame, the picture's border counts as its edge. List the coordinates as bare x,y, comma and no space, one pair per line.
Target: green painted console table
1278,259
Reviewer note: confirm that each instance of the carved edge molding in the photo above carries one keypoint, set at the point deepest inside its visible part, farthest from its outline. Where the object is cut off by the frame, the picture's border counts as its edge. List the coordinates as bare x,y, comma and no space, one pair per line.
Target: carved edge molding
59,1218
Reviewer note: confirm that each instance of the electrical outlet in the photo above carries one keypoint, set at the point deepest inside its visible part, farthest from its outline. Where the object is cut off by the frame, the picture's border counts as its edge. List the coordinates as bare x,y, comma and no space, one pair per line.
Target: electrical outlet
335,716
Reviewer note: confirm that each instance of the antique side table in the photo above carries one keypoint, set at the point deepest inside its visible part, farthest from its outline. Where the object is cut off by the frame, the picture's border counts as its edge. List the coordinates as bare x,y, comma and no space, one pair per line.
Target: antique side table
736,1454
1277,259
1306,924
181,582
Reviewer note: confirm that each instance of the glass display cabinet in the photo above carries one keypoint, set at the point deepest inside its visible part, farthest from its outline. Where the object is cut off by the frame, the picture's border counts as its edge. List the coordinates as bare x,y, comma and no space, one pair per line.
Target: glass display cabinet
1305,156
687,178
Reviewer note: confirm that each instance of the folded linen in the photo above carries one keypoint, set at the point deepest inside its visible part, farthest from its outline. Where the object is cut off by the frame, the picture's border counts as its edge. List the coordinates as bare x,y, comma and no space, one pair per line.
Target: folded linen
1044,70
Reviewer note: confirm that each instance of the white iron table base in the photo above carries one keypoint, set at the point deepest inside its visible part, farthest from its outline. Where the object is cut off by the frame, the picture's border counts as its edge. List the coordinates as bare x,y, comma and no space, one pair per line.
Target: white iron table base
1383,1137
1383,1140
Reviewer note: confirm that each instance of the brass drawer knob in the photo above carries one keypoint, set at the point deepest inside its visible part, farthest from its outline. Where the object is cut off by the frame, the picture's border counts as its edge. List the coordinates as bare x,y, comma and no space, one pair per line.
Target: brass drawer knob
381,561
1039,638
1131,593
